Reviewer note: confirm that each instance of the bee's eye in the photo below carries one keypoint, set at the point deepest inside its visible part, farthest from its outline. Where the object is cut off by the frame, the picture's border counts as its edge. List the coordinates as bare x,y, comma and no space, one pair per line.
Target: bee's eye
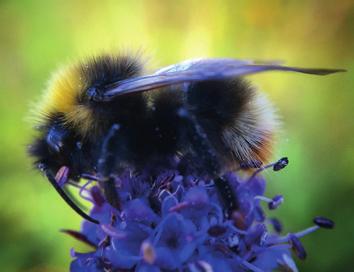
94,94
56,137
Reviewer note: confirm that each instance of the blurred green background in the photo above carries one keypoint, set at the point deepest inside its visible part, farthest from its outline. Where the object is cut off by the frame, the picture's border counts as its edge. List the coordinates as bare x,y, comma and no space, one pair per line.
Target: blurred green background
317,112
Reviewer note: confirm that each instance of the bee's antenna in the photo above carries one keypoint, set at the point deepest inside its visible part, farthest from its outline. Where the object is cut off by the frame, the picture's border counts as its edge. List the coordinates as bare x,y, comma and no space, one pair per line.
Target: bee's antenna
61,192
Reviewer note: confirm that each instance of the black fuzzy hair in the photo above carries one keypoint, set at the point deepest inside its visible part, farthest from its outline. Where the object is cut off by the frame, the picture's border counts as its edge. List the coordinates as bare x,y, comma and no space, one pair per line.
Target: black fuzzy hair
106,69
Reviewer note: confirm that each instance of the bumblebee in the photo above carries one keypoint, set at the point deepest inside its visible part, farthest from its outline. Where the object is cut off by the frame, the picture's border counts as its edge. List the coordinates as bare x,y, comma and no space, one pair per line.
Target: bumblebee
101,115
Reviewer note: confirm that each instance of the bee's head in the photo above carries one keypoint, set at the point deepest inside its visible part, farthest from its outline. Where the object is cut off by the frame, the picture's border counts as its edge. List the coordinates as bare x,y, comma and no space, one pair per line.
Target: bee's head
70,119
57,146
72,94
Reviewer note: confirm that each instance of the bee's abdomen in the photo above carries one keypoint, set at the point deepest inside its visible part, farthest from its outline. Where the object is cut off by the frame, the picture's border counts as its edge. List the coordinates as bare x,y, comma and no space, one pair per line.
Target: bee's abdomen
219,102
250,137
238,120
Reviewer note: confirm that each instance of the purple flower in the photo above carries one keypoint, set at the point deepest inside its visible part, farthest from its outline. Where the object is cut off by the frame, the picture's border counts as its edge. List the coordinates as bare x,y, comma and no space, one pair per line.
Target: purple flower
175,240
89,262
180,223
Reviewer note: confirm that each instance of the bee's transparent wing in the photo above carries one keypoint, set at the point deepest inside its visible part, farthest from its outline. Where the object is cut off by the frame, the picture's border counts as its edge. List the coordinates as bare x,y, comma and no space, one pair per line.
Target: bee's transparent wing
207,63
203,69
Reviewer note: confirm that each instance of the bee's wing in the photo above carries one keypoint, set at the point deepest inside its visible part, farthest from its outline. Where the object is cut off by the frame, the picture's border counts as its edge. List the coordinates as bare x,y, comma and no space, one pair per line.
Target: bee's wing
208,63
203,69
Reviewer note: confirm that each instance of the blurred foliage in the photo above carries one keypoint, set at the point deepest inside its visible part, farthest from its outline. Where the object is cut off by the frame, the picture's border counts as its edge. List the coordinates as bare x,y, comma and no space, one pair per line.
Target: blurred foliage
317,112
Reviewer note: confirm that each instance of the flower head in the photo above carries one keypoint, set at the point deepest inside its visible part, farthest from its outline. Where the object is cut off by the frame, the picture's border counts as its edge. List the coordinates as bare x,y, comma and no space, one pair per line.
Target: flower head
179,222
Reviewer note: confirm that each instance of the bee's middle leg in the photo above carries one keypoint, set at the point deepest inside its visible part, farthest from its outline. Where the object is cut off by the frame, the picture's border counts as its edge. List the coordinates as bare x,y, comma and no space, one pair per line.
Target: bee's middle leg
105,167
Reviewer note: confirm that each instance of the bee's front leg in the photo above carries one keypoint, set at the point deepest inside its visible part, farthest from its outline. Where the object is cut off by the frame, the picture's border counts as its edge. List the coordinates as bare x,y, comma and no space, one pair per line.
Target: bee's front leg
44,168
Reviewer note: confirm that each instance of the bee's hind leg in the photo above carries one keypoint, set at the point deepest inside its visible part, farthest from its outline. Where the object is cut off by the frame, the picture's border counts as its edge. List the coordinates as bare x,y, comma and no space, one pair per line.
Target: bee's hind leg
211,162
105,166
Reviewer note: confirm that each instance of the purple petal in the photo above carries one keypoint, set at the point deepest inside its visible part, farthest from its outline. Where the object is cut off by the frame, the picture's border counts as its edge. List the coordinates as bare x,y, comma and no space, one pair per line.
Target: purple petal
137,210
168,202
